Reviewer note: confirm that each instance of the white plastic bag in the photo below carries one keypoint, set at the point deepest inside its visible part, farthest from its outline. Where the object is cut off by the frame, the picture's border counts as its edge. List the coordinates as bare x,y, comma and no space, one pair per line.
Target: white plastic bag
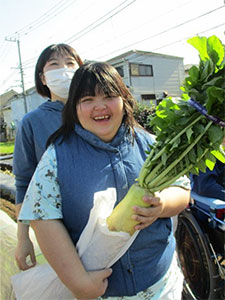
97,247
8,266
40,283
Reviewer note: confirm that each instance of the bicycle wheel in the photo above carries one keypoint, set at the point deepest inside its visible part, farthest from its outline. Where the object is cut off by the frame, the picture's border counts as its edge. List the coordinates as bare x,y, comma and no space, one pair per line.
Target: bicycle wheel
201,276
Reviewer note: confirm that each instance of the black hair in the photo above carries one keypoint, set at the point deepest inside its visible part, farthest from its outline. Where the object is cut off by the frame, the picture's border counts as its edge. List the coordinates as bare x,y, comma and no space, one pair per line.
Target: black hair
88,80
60,49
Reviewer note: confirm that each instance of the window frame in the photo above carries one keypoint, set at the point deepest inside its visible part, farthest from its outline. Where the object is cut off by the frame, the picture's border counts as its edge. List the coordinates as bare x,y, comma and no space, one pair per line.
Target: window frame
140,65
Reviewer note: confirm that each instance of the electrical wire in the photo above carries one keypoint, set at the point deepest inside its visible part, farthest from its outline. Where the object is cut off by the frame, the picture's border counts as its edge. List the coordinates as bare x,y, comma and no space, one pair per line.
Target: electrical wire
76,36
145,23
184,39
46,17
162,32
173,43
102,20
93,26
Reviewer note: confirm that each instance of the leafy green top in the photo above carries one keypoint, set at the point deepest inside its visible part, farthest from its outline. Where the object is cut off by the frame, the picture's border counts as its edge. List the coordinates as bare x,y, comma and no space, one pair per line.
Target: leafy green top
186,141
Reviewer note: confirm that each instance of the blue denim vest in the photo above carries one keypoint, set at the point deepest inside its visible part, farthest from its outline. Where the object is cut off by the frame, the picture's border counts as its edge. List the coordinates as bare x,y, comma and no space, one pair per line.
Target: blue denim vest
87,165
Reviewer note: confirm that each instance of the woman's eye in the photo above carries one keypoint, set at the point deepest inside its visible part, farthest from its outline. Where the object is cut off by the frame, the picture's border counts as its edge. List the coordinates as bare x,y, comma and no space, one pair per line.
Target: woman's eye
85,100
71,63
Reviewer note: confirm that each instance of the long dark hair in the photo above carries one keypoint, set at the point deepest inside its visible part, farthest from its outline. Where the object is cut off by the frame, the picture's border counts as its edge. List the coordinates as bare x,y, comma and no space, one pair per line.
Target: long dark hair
89,79
59,49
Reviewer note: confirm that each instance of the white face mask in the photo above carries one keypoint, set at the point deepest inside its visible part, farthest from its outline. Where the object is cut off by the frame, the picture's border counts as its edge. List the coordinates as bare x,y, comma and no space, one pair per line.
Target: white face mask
58,81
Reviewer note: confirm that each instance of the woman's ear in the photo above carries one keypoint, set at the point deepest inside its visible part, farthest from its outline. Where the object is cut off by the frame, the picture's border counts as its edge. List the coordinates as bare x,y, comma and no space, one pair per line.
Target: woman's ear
42,77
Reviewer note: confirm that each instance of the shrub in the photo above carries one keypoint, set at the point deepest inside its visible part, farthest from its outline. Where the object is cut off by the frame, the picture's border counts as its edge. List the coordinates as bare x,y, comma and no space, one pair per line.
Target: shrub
143,115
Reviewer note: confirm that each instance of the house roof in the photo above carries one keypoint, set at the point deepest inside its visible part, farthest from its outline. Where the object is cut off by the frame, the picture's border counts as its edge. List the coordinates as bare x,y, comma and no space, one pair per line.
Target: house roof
188,66
11,96
140,52
4,98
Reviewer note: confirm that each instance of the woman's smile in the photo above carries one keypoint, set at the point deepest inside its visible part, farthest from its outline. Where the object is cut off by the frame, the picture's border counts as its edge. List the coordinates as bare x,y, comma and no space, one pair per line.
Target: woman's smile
102,118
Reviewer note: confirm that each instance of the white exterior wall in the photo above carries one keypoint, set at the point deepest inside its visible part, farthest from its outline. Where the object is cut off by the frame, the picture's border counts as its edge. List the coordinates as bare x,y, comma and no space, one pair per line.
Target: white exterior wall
7,116
168,74
18,109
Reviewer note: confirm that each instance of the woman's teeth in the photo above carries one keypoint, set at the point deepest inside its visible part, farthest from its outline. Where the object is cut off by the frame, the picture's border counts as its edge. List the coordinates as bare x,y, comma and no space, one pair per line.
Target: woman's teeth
101,118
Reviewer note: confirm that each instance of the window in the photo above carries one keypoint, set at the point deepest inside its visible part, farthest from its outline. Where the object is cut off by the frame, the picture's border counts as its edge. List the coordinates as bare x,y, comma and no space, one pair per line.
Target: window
141,70
134,70
148,97
120,71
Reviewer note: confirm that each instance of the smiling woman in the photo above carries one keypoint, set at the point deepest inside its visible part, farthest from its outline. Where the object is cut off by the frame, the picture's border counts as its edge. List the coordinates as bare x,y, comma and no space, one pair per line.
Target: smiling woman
100,114
101,146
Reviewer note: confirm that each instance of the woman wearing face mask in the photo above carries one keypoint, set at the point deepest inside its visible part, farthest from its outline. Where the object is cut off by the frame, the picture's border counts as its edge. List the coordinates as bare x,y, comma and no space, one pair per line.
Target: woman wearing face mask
54,70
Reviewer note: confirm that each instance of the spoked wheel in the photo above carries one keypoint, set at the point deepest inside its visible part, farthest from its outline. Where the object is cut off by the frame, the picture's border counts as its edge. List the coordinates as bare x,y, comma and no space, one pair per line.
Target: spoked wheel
202,280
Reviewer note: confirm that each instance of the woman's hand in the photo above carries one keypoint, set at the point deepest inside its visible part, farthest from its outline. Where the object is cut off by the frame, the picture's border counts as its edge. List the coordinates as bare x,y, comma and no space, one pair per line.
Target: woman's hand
24,249
164,204
24,246
93,285
147,215
59,250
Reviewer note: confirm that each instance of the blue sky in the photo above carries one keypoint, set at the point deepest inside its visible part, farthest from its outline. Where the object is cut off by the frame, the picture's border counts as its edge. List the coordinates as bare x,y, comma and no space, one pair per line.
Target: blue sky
100,29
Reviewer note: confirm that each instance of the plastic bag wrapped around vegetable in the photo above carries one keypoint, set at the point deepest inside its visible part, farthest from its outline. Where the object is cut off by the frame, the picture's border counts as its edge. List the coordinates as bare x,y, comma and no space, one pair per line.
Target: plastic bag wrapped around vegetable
189,132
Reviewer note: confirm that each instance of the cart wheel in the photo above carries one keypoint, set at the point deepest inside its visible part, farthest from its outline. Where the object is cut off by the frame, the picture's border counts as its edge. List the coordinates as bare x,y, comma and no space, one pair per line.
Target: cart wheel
201,277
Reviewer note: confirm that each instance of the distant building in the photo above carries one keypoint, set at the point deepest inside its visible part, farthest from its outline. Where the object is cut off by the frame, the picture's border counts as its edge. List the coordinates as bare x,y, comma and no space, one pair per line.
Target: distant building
187,68
13,109
33,100
6,128
149,75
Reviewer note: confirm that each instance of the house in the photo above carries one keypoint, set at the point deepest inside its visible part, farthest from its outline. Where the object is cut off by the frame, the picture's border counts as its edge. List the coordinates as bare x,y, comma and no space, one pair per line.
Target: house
13,108
149,75
187,67
18,106
5,115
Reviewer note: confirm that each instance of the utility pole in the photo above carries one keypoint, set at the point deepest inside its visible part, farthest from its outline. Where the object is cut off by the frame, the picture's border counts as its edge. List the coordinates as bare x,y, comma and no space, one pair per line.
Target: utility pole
21,70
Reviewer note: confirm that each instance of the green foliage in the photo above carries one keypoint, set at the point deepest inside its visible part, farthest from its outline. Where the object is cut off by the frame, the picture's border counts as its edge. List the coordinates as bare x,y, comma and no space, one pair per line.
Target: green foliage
143,115
6,147
186,141
205,84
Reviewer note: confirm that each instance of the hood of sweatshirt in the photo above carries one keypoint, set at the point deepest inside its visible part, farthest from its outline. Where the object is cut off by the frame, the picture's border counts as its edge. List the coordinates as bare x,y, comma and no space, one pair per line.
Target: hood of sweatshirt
52,105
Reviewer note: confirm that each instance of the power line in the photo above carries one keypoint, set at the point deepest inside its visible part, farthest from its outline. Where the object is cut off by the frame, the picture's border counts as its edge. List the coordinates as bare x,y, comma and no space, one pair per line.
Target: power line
178,41
78,35
85,30
51,13
151,21
106,17
181,40
162,32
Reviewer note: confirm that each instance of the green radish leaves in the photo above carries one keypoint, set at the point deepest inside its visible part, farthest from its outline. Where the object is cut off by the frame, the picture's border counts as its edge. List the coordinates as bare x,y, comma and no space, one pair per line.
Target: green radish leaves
187,141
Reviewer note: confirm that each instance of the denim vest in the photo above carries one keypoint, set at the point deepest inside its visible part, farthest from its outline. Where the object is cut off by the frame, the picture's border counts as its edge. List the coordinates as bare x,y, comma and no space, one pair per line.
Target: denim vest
87,165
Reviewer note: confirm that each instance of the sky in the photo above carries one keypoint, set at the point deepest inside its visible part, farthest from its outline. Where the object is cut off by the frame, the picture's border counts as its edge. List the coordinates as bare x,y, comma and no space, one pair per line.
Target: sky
100,30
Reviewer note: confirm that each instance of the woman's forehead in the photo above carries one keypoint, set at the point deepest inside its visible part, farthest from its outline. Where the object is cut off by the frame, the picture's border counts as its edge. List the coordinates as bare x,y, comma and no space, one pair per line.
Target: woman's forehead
59,55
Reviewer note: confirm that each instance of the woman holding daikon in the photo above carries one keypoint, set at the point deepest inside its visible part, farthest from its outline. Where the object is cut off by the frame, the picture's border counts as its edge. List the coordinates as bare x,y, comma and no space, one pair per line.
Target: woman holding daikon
99,146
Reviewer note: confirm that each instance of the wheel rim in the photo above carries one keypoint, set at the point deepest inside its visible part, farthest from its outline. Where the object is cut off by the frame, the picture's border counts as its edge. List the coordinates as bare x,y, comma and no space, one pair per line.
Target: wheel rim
193,261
